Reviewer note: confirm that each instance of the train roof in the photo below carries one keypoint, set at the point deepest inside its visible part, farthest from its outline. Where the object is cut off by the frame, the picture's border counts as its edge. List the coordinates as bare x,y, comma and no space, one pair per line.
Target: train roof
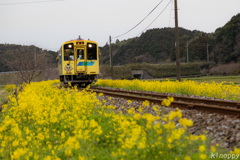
77,40
80,40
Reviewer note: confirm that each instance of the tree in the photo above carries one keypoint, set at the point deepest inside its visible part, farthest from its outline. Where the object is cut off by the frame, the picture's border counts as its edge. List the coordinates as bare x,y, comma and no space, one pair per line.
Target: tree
236,52
29,62
221,52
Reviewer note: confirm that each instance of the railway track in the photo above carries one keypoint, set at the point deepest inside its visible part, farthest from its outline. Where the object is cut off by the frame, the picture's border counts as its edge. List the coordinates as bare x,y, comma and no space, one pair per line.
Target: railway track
209,105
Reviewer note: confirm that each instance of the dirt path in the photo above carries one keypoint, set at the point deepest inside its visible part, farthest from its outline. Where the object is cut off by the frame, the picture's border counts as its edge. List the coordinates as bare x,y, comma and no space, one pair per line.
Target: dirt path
2,91
1,97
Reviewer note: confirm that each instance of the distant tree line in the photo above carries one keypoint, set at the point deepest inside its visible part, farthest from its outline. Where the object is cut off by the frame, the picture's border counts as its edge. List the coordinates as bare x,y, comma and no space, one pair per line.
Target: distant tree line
7,50
29,61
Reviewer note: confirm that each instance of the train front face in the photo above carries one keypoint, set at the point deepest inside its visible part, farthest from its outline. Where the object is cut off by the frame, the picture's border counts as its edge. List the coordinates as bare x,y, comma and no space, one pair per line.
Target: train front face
80,62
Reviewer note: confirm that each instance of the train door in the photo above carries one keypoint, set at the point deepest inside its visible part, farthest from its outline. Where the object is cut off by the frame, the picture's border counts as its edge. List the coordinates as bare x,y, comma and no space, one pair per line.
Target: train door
81,59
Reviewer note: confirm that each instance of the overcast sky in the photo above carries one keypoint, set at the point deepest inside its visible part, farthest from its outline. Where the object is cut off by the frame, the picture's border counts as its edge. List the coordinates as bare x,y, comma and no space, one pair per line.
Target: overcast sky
48,24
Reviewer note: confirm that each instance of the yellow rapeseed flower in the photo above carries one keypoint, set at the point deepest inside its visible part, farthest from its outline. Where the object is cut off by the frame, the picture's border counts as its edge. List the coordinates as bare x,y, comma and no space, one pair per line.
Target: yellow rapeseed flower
137,116
213,149
235,151
40,136
145,103
203,137
203,156
68,152
80,158
212,89
187,158
15,143
114,154
47,158
129,101
185,122
201,148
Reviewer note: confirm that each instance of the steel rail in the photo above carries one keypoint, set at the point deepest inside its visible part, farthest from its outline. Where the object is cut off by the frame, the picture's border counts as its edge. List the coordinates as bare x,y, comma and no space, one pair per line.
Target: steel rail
235,104
215,106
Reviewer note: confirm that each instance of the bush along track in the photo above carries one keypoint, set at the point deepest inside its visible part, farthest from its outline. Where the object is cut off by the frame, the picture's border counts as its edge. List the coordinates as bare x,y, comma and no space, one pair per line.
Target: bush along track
52,123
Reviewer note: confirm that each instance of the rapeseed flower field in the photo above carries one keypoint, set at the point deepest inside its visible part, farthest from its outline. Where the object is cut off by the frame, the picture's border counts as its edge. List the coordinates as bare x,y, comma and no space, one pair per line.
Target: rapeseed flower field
187,87
49,123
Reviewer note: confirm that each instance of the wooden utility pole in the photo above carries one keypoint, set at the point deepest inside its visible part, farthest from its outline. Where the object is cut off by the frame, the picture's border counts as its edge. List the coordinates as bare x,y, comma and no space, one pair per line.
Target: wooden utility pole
177,43
187,51
35,57
207,52
111,61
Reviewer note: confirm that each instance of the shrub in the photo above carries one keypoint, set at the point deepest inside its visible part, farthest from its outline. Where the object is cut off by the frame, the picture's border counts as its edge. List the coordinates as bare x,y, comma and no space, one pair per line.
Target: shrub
154,70
224,69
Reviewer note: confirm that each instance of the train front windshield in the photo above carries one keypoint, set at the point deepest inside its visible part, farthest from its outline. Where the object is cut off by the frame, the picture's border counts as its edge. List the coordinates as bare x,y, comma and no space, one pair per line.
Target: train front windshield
68,52
91,51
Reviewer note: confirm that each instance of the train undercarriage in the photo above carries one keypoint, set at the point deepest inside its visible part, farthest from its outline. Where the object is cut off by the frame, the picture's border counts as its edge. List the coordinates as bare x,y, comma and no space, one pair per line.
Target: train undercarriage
80,79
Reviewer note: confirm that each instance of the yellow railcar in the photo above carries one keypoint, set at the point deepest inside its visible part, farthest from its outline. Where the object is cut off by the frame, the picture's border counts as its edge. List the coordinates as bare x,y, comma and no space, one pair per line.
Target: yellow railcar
78,62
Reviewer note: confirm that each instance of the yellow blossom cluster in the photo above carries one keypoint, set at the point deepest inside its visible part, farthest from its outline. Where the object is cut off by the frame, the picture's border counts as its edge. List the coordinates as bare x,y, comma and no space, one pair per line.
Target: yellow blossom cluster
10,87
167,102
52,124
47,121
186,87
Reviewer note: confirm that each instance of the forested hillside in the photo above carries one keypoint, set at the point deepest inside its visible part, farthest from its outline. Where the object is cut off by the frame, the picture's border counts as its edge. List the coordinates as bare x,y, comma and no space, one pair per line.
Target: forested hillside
158,45
6,48
228,41
153,46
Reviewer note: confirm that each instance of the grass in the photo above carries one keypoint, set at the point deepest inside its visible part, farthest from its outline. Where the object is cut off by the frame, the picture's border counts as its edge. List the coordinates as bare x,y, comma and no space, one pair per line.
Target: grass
217,79
9,78
3,99
3,95
208,79
2,87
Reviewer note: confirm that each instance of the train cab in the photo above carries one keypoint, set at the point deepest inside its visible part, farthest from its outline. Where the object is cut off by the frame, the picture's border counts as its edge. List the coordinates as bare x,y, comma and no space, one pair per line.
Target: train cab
78,62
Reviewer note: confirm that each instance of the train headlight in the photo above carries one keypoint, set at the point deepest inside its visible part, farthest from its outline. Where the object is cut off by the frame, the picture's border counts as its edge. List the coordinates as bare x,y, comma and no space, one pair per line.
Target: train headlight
69,46
90,45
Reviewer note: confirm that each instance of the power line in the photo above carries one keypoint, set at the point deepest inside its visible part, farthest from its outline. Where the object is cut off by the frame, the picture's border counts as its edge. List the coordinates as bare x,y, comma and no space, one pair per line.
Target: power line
139,22
30,2
155,18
